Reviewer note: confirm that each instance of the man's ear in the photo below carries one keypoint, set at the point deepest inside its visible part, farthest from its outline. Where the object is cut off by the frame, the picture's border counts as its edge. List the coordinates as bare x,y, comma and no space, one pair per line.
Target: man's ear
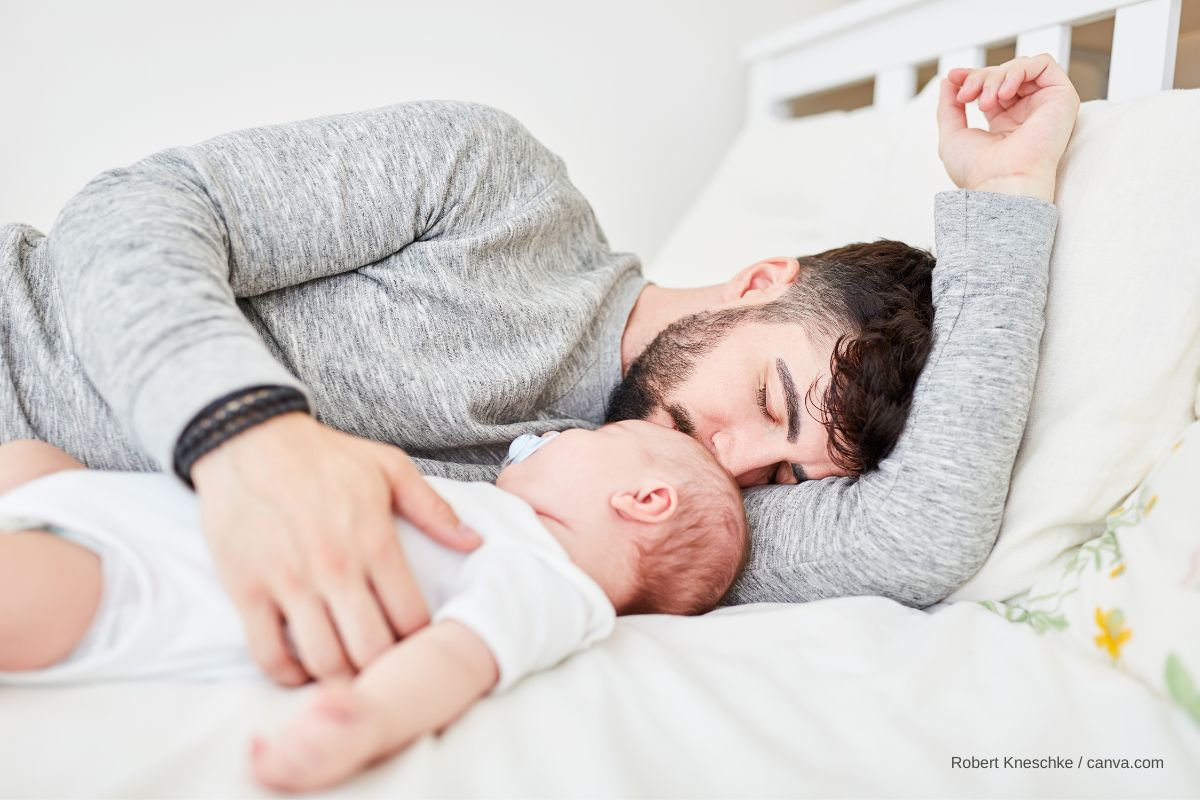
761,282
653,503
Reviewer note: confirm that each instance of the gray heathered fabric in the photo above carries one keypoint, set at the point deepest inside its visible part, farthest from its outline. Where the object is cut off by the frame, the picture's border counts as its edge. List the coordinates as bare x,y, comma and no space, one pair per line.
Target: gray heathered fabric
923,523
426,272
428,275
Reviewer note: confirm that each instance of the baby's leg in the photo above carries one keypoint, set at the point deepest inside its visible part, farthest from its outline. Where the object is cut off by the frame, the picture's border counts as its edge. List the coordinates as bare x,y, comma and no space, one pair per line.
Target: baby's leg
417,686
25,459
49,587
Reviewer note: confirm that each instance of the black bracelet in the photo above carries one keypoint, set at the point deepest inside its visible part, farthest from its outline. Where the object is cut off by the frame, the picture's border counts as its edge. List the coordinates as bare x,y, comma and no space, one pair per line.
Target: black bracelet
226,417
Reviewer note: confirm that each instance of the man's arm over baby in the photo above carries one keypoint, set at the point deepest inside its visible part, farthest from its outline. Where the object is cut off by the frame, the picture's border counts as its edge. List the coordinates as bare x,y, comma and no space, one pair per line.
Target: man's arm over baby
150,259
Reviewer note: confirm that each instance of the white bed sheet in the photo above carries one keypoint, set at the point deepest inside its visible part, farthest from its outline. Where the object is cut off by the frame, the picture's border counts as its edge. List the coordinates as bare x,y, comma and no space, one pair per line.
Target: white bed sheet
846,697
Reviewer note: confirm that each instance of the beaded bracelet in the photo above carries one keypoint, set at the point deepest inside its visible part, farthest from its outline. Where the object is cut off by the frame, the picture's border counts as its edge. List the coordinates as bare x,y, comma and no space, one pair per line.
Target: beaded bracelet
226,417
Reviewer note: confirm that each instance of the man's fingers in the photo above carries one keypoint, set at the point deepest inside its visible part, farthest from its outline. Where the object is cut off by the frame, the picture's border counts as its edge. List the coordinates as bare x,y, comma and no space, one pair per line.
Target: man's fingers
265,638
957,75
989,99
394,585
313,634
1044,71
1041,70
416,501
395,589
971,86
365,633
1014,77
999,88
952,115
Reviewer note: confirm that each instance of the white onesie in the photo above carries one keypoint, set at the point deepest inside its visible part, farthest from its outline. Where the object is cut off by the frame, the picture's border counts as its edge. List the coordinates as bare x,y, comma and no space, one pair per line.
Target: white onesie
164,612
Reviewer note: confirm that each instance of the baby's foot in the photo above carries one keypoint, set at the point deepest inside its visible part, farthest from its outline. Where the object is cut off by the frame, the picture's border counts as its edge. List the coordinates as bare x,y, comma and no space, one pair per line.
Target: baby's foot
335,737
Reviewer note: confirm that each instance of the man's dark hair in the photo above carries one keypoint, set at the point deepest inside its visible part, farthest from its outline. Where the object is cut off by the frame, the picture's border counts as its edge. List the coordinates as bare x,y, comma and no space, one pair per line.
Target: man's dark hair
882,297
873,300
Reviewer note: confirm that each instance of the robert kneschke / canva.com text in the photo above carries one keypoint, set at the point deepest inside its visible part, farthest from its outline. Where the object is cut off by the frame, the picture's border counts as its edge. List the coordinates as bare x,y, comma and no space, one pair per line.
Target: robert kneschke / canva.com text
1053,762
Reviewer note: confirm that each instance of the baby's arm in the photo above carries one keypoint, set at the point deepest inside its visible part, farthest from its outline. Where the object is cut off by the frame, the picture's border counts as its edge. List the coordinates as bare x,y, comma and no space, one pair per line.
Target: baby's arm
49,587
25,459
418,686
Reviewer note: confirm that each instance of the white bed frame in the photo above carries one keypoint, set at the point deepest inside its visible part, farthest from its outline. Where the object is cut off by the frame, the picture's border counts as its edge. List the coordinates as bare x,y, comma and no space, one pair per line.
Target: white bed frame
888,39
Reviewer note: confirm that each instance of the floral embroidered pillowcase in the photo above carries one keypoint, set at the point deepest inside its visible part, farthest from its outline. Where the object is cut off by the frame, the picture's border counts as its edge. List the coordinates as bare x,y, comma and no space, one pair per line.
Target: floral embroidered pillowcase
1131,595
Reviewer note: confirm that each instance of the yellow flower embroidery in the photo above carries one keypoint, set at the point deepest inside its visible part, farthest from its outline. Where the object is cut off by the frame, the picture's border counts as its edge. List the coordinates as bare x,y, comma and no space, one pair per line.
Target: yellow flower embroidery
1113,633
1150,504
1117,570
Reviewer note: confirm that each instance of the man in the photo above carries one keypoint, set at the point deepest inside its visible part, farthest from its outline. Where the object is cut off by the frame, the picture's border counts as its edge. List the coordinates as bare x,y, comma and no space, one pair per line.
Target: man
425,275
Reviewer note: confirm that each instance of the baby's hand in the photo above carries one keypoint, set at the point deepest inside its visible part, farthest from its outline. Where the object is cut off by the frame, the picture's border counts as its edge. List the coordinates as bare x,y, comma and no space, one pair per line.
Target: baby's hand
334,738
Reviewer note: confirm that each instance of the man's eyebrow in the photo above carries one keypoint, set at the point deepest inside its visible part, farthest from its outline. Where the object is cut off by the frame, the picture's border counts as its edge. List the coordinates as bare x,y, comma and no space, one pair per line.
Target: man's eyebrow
791,398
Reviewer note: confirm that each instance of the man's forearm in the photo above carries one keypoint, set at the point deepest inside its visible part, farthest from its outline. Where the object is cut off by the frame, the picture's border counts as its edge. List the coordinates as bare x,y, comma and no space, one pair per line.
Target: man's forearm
938,507
141,261
151,259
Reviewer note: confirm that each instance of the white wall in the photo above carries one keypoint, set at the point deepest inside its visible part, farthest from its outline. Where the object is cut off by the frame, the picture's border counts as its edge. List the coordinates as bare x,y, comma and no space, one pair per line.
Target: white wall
640,97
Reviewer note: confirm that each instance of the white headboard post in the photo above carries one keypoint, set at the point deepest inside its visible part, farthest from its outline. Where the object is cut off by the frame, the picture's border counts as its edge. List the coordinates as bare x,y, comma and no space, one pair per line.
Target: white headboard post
1143,51
971,58
1053,39
894,85
886,40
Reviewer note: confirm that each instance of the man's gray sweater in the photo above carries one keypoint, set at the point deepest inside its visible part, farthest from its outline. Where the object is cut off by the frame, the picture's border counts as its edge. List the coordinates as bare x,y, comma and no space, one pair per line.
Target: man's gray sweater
428,276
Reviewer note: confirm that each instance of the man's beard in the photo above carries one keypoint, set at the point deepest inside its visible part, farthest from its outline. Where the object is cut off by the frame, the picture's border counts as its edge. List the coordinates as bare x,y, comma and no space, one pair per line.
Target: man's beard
633,397
667,362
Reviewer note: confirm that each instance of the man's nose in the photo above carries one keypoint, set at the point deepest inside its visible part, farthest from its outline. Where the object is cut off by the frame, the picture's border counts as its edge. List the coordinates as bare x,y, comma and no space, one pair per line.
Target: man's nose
738,460
722,447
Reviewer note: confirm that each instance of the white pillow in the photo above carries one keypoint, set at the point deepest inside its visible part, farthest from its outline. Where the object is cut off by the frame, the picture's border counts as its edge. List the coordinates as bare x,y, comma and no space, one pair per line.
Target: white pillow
792,187
1121,352
1131,595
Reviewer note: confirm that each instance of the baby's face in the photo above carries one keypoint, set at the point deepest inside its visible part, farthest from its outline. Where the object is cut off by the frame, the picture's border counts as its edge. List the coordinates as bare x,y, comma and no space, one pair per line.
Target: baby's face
585,466
605,494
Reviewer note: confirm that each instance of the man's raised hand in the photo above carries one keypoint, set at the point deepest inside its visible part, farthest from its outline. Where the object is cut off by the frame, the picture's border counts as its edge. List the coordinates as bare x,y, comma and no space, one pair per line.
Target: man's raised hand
299,519
1031,108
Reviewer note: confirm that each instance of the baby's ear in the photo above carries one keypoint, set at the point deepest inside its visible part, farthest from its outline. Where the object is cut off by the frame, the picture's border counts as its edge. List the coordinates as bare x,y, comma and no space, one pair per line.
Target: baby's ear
653,503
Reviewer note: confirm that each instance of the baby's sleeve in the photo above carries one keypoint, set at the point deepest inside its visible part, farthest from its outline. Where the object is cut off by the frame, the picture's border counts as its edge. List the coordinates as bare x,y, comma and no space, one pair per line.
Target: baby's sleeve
532,610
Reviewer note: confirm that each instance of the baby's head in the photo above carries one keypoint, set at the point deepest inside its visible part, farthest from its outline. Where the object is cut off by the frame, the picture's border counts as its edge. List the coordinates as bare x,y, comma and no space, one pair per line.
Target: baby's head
643,509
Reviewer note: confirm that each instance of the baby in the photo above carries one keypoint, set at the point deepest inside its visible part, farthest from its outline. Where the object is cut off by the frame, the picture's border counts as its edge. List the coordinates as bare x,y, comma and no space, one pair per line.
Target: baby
580,526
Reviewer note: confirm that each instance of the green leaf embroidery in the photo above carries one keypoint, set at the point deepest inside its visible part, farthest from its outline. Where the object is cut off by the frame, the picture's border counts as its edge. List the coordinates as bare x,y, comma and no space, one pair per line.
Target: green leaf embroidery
1180,686
1040,621
1102,552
